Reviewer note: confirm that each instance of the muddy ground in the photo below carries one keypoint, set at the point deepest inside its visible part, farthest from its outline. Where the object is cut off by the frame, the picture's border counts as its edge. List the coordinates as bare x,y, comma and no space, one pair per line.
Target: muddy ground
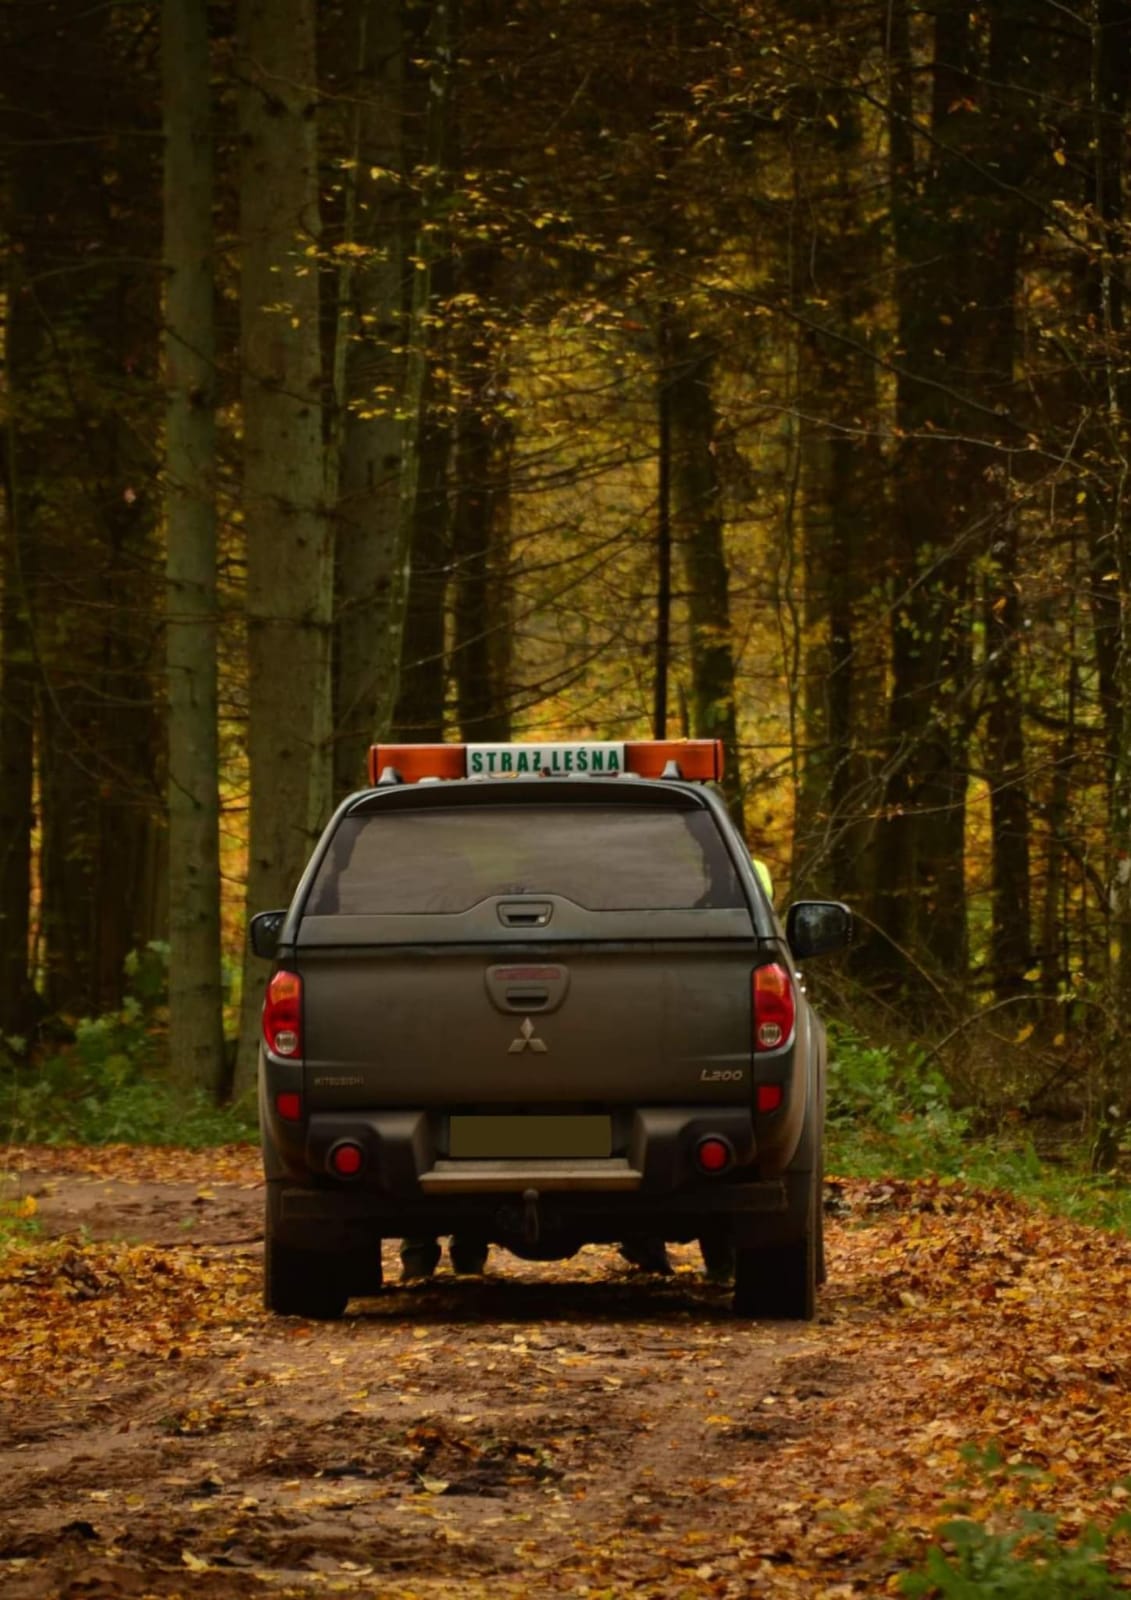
566,1428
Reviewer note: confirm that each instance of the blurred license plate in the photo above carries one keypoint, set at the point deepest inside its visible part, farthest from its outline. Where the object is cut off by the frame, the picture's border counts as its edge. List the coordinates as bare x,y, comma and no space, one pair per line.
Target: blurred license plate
546,1137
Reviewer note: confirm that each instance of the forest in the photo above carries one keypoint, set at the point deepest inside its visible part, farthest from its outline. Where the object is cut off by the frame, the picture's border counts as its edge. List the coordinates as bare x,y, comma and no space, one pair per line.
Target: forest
756,369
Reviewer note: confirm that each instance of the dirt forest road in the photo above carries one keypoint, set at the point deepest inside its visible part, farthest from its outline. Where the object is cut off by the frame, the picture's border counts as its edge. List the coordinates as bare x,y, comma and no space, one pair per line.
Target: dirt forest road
553,1429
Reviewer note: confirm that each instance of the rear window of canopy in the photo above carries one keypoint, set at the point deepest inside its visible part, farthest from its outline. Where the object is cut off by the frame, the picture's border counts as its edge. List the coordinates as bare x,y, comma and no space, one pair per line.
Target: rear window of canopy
446,860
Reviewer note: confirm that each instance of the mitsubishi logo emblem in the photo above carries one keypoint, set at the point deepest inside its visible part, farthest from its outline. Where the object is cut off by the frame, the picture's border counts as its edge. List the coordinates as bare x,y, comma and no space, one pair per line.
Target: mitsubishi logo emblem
527,1041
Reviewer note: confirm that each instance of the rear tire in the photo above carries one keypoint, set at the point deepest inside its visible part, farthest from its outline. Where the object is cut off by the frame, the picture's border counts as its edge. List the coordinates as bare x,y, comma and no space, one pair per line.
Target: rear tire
365,1273
779,1282
819,1223
467,1256
302,1283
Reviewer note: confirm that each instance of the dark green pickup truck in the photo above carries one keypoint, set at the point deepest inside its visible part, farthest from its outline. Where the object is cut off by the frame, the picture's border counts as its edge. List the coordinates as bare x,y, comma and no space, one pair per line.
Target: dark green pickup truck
544,1005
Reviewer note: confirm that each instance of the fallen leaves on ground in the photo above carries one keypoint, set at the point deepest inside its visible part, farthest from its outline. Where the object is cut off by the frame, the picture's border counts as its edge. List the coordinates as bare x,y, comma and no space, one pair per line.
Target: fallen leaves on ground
557,1428
233,1163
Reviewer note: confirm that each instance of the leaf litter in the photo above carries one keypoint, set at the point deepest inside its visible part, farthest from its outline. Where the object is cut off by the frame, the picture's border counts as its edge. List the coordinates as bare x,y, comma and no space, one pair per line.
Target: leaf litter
564,1428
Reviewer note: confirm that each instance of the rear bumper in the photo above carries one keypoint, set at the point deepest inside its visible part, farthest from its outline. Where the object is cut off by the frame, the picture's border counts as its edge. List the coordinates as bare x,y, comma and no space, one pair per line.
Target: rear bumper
336,1219
406,1153
408,1185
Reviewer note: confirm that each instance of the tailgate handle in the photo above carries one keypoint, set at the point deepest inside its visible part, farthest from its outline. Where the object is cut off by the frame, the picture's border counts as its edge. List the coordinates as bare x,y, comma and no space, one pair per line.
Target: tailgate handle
523,914
527,999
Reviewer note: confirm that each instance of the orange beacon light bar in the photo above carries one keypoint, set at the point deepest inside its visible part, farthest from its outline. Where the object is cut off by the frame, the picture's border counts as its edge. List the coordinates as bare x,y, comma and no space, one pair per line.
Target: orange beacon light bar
699,760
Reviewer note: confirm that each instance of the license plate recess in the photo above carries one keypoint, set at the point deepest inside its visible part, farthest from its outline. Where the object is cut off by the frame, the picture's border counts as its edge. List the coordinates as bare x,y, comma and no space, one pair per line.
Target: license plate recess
477,1138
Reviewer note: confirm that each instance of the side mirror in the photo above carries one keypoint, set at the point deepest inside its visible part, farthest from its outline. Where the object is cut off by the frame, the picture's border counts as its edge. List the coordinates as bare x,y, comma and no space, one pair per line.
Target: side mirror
264,930
814,927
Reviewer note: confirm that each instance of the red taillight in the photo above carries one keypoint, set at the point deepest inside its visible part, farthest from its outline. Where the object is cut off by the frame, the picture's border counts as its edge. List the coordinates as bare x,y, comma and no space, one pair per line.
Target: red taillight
289,1105
282,1014
774,1011
347,1159
714,1154
768,1097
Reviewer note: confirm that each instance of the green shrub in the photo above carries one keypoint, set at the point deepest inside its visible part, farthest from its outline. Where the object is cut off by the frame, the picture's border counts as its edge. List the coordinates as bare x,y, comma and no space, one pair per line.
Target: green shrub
875,1083
17,1220
108,1086
106,1104
1028,1562
1026,1559
889,1113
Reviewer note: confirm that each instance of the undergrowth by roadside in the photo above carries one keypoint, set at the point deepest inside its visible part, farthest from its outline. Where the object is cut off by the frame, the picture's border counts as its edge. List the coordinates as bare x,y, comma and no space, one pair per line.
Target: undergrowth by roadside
87,1094
107,1107
990,1545
107,1082
17,1220
890,1114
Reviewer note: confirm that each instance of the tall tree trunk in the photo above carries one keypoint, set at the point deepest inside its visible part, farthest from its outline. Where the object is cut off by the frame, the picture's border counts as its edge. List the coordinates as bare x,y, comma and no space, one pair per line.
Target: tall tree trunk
1110,35
994,340
289,555
699,534
427,437
480,519
372,554
842,499
17,693
195,1002
663,645
419,714
1011,947
921,897
844,666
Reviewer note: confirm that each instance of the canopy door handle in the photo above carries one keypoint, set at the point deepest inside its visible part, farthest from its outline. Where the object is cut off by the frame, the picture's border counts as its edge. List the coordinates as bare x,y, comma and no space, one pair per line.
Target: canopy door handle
525,913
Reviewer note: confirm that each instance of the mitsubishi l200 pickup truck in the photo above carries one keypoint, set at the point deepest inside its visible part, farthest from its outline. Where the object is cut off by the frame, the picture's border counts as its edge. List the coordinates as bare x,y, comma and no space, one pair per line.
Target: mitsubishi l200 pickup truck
538,995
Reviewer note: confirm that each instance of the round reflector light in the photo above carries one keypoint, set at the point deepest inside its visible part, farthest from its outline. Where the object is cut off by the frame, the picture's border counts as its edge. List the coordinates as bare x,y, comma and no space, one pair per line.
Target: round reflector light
346,1159
289,1105
713,1154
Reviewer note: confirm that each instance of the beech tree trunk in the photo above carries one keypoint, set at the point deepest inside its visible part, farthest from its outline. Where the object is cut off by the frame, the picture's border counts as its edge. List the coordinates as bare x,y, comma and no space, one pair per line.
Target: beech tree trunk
289,549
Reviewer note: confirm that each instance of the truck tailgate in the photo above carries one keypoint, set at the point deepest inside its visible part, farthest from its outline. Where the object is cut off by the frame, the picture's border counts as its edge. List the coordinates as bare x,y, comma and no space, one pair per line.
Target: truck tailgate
536,1025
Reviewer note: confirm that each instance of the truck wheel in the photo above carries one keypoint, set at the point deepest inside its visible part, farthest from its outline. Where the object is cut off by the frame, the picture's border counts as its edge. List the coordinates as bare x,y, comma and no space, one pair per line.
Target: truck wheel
779,1282
819,1203
302,1283
364,1273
